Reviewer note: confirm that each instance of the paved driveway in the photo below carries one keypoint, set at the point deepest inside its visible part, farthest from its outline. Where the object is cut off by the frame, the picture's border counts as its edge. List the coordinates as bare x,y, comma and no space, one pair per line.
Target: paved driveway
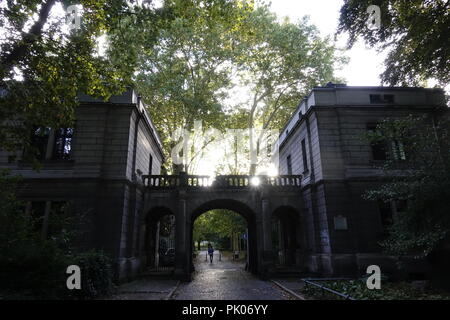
226,280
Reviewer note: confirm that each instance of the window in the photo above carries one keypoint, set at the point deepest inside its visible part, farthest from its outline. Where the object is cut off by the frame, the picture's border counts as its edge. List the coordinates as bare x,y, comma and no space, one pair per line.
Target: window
150,164
63,143
289,164
46,216
389,211
305,159
386,216
52,144
379,150
378,98
400,206
37,213
398,150
39,140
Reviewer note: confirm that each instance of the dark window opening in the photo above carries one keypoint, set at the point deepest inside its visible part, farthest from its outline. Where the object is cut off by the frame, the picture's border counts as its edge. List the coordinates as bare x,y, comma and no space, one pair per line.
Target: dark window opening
150,164
39,140
63,144
56,145
379,152
56,218
385,216
379,98
379,149
289,164
37,215
305,159
401,206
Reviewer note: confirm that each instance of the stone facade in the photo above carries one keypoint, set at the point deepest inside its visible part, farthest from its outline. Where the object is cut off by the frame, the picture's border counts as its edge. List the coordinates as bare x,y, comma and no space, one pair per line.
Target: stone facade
324,142
100,178
313,220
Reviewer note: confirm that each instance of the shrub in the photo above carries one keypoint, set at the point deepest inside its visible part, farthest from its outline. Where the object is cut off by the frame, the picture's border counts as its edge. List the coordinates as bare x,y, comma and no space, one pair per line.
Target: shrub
35,268
96,274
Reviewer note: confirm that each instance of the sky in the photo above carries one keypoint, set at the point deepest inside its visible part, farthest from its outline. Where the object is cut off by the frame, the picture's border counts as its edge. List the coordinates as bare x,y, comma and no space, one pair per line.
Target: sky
365,64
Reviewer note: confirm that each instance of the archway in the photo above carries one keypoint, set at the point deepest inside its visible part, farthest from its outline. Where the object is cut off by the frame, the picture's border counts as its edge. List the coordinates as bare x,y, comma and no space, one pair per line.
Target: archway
238,208
159,242
286,240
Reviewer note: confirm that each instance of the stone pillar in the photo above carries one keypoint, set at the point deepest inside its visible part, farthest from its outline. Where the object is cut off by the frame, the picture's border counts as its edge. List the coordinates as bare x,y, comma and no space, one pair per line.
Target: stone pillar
156,237
267,257
181,240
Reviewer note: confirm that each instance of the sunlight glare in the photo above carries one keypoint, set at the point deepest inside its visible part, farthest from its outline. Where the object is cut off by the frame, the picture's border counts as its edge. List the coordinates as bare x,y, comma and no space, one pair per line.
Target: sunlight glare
255,181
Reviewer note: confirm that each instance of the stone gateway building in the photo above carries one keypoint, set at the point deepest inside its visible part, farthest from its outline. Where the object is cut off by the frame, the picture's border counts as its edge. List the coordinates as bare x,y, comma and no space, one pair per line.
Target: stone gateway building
94,171
324,143
311,219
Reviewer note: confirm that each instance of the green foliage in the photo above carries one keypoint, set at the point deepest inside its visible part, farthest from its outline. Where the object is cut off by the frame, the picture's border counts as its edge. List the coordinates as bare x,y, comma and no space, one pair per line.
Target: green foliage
34,268
218,223
422,180
414,31
96,274
282,63
44,67
184,77
357,289
213,48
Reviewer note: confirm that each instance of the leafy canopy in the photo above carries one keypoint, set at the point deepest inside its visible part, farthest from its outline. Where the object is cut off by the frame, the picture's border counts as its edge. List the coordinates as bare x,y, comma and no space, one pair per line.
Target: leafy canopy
43,65
415,32
218,223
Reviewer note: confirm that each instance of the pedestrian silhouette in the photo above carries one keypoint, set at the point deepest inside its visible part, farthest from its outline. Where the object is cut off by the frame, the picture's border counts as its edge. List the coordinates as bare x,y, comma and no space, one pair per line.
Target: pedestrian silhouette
210,252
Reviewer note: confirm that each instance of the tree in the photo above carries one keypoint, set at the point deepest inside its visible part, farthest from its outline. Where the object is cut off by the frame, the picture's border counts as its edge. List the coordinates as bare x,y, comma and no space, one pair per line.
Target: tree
185,76
44,66
415,33
417,173
282,62
210,50
219,223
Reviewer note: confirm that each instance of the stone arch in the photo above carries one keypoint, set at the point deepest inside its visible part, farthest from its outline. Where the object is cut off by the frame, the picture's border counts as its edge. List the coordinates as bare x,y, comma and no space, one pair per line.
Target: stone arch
240,208
150,250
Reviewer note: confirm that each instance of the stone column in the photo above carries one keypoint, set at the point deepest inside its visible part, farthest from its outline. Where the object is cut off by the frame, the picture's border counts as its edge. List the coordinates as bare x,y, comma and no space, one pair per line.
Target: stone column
267,258
156,237
181,240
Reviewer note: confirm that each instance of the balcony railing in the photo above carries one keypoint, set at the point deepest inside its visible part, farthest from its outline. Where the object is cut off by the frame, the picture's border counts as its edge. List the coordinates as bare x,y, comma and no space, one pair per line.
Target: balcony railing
225,181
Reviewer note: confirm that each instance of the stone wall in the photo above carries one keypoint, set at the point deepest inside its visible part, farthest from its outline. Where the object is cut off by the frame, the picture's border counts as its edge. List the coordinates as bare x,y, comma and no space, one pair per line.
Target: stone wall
98,180
333,122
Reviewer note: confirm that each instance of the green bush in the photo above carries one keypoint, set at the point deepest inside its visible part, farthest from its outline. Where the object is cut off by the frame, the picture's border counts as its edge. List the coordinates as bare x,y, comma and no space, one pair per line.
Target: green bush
33,271
96,274
35,268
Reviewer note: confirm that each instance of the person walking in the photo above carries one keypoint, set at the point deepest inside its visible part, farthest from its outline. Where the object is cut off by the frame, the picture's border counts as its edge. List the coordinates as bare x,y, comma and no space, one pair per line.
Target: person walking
210,252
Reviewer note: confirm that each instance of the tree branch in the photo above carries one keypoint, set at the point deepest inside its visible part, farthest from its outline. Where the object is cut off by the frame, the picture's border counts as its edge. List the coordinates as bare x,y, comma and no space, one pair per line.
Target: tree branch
21,47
